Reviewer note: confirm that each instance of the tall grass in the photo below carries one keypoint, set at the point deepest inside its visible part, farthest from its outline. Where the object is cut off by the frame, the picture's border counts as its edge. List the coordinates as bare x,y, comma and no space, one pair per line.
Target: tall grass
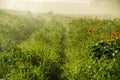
54,47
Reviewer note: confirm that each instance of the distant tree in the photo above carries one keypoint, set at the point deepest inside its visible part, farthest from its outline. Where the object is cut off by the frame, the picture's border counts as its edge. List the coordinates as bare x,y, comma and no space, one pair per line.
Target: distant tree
111,4
106,2
50,12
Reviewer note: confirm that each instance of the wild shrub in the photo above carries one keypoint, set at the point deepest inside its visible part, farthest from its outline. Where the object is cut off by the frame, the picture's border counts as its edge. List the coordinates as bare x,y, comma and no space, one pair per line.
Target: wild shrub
109,48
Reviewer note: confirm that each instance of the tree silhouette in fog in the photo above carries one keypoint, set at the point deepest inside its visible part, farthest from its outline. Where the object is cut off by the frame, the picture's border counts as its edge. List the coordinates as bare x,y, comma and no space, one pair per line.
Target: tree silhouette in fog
107,2
114,5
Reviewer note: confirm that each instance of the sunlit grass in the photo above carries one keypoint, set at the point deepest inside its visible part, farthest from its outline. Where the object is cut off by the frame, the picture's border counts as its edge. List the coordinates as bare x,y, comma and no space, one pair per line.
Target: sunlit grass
55,47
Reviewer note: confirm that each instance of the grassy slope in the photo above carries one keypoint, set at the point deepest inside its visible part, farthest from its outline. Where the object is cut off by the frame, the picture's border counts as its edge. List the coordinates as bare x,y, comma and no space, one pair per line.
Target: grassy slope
53,47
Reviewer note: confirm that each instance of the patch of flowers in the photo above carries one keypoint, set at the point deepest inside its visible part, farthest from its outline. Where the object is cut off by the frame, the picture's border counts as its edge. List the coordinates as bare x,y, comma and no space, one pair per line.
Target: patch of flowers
108,47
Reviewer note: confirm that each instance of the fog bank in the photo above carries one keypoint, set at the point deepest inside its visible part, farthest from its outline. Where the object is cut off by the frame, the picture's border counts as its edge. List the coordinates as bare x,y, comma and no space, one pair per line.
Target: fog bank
61,7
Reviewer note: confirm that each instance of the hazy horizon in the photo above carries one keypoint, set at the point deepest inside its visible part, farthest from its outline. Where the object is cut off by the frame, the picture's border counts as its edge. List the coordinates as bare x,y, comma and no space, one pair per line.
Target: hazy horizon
45,5
57,6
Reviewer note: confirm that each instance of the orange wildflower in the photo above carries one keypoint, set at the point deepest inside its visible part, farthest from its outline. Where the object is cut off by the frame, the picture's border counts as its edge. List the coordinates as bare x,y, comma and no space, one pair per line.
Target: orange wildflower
108,41
113,37
117,33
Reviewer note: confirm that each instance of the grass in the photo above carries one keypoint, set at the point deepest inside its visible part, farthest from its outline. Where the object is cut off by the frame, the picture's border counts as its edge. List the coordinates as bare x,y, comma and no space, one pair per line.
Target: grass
54,47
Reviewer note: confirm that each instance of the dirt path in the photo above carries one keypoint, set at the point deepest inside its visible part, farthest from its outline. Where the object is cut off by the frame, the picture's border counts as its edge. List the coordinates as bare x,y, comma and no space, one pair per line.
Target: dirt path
62,54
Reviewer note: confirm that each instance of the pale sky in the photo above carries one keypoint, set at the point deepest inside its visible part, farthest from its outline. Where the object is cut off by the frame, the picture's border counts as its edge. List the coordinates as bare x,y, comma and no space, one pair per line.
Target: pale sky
82,1
58,6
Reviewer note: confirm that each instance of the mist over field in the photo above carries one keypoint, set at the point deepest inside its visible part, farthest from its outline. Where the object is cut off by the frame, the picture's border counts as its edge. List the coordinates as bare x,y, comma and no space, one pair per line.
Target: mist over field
84,7
59,39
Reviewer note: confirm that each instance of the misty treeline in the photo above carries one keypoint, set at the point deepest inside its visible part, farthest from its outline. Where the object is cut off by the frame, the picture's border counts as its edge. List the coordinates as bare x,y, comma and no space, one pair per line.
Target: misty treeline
109,3
112,6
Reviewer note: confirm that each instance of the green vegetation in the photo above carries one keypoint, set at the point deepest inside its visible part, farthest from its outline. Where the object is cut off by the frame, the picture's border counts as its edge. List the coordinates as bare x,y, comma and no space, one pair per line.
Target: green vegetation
56,47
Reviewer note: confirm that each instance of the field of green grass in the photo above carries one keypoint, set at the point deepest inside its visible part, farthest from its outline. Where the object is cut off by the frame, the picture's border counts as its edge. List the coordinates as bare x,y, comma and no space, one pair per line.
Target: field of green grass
57,47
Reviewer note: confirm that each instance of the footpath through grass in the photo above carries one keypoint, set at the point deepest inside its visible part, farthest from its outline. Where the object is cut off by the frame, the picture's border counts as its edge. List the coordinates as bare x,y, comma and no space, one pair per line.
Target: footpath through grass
56,47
